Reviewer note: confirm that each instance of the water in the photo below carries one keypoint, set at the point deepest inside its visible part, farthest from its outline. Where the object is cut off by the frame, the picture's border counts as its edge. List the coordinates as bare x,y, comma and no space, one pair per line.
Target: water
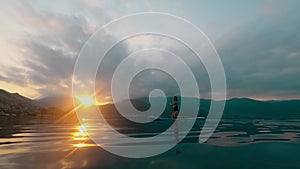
235,144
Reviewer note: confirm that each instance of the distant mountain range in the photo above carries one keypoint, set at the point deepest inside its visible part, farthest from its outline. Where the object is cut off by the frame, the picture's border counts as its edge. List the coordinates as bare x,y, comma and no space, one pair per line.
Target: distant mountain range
16,98
62,102
13,103
236,108
248,108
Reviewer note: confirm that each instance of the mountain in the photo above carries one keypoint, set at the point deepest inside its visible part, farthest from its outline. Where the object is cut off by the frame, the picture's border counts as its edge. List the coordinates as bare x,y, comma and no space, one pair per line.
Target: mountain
236,108
62,102
7,98
17,109
248,108
14,103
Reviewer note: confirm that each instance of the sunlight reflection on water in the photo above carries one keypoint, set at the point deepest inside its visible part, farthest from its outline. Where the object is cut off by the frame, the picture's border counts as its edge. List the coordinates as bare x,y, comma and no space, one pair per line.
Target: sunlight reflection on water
69,144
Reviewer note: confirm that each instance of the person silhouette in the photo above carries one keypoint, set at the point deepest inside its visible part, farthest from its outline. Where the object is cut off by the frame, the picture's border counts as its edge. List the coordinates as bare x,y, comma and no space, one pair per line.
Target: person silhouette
175,107
174,116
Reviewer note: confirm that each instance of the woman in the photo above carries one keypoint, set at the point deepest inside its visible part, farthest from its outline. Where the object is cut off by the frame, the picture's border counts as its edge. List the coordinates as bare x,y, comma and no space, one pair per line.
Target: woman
175,107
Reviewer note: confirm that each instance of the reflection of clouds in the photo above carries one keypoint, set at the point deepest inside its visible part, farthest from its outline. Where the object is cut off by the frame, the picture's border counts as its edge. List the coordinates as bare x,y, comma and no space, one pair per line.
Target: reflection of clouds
236,133
67,164
228,138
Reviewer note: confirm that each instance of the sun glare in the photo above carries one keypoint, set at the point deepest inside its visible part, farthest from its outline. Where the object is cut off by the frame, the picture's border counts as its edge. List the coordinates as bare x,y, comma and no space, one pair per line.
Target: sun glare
86,101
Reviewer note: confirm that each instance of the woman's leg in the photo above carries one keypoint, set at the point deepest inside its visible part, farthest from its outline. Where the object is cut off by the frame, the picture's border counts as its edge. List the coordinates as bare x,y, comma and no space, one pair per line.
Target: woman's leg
175,114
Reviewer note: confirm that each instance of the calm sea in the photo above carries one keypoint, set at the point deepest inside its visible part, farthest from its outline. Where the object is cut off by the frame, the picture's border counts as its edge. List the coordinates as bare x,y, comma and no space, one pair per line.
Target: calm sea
240,144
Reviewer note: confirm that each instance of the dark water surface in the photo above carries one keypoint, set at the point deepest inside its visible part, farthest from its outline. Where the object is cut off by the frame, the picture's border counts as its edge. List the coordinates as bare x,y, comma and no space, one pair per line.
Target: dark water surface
238,144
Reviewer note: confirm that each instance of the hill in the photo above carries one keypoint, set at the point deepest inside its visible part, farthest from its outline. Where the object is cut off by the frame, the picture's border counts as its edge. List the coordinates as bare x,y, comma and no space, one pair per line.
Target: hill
15,108
15,104
62,102
248,108
236,108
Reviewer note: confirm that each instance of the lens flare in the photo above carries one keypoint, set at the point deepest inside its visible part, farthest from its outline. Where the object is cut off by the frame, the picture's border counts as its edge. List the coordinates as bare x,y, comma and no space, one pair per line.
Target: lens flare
86,101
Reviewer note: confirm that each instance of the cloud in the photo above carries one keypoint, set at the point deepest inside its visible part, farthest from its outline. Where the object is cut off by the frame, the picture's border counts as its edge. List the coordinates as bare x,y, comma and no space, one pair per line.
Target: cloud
261,58
52,43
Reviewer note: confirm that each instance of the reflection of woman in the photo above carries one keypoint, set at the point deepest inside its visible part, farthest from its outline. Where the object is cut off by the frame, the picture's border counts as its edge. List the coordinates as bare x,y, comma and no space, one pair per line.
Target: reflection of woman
175,107
175,129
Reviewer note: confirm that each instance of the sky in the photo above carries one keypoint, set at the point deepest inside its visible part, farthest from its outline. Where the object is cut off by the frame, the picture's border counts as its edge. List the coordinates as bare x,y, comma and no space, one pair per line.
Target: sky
257,41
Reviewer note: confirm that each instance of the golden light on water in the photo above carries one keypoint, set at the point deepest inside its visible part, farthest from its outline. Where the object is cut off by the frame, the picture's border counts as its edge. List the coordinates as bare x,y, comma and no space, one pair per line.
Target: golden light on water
80,135
80,138
81,131
80,145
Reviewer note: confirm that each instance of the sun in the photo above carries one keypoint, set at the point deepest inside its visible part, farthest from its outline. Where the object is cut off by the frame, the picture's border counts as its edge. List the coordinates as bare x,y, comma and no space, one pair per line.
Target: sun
86,101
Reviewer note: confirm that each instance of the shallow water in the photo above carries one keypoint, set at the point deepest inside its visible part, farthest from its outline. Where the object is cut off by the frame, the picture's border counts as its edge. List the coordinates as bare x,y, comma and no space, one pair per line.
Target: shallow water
235,144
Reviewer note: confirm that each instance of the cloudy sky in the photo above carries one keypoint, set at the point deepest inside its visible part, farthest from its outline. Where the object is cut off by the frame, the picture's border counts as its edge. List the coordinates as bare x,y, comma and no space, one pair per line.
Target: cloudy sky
258,42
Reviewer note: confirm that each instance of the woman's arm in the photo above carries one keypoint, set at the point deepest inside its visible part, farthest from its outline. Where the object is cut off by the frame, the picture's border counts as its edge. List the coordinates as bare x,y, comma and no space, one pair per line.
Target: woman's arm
174,103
